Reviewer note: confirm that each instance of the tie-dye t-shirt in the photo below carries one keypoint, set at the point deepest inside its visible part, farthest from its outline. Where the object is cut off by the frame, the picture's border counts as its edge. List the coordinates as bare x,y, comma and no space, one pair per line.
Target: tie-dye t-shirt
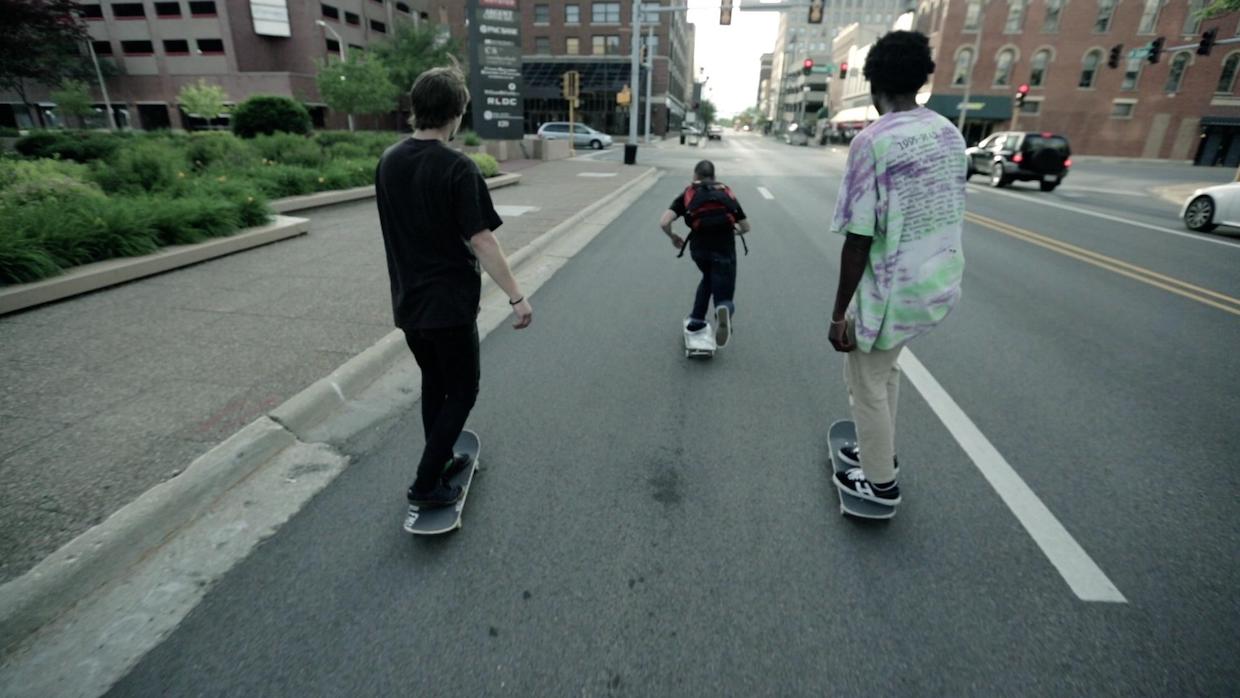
904,187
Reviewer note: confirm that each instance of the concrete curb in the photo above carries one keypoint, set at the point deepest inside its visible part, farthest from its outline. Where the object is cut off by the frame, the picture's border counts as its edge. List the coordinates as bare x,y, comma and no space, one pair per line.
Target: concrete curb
1127,161
92,277
327,198
101,555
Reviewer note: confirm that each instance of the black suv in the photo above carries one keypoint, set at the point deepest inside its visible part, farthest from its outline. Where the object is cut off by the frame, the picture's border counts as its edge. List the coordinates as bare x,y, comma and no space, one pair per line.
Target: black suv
1022,155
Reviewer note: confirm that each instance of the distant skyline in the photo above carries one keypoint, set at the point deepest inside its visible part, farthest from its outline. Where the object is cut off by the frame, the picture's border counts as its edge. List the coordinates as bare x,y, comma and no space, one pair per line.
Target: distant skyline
732,55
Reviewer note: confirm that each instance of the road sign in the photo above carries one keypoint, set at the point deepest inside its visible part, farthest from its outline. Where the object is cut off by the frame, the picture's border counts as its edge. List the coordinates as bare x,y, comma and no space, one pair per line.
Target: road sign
495,69
572,84
1142,52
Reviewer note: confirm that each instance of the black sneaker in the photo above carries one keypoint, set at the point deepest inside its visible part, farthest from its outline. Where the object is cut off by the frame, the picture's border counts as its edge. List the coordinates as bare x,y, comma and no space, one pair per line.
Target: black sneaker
853,482
441,495
851,455
456,466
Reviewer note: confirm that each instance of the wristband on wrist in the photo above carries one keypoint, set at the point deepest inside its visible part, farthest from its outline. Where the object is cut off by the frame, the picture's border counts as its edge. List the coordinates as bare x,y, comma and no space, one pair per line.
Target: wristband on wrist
839,322
516,301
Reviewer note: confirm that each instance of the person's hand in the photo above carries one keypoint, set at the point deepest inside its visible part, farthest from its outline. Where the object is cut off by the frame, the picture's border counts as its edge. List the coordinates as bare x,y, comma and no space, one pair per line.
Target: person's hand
838,336
677,241
525,314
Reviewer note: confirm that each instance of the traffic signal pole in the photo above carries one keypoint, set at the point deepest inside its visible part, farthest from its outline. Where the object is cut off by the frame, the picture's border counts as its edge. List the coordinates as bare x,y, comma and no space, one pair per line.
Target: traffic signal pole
635,70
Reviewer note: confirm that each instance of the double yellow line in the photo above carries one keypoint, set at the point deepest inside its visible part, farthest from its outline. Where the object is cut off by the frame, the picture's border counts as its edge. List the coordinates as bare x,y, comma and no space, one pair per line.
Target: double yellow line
1213,299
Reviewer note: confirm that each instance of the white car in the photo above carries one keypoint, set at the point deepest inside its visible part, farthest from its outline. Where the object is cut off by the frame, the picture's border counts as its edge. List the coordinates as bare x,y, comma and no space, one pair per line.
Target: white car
582,135
1211,207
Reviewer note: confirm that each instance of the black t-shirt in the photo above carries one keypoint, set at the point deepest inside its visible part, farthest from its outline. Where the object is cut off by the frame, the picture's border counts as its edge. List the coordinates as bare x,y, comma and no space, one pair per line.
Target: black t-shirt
720,240
432,200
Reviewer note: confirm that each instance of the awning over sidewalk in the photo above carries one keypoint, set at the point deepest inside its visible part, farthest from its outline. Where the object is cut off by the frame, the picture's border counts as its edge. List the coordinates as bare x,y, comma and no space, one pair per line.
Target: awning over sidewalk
855,115
991,107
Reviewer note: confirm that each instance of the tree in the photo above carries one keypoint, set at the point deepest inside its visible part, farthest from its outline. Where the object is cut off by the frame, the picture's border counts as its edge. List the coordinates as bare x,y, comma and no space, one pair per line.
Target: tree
357,86
204,100
73,98
414,50
1218,8
42,45
708,112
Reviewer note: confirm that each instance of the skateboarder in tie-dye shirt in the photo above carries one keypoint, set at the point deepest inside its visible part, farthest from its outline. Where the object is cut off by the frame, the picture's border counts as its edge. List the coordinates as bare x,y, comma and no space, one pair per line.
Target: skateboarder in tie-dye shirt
901,210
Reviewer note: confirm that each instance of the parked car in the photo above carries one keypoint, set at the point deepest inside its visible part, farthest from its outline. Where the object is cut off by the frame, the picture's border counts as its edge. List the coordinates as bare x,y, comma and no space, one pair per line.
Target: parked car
1211,207
1024,156
583,135
714,132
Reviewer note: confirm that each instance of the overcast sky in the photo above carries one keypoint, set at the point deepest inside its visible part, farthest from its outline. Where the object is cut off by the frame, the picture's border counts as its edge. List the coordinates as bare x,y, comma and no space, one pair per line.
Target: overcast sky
732,55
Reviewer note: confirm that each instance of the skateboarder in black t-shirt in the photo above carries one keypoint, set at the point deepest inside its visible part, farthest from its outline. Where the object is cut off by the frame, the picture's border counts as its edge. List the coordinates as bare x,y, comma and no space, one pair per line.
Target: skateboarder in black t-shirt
437,220
714,217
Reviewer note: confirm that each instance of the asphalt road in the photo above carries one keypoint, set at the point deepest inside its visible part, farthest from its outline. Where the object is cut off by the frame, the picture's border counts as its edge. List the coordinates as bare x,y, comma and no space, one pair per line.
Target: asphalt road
651,526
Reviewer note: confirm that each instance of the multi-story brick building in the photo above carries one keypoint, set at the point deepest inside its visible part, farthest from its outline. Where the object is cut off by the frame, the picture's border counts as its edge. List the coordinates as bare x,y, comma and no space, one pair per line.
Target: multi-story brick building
247,46
1185,107
592,37
764,83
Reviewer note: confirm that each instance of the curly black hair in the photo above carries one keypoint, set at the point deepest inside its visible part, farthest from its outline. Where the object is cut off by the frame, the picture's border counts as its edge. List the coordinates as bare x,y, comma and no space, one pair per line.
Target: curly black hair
899,63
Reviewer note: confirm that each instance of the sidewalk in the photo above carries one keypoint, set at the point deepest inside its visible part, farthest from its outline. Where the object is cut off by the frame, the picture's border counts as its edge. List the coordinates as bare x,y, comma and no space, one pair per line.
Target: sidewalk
110,393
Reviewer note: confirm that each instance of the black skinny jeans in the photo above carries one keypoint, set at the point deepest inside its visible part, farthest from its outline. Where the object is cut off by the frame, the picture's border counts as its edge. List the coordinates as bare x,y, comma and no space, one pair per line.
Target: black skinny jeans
450,367
718,281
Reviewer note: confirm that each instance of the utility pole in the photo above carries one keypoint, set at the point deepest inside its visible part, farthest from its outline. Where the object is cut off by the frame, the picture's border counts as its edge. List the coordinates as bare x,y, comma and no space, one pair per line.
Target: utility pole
977,55
649,76
343,55
635,70
107,103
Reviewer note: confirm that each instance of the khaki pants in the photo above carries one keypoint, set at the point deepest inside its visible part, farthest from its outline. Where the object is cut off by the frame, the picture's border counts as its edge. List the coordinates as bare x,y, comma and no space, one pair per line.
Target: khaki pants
873,381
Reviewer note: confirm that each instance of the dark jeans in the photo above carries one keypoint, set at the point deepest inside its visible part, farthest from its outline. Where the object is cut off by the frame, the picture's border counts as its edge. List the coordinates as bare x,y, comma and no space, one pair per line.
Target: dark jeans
718,281
448,358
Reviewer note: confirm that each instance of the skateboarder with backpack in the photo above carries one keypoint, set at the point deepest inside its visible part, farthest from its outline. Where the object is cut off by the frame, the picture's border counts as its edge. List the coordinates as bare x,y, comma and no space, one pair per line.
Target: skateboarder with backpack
437,219
715,218
901,212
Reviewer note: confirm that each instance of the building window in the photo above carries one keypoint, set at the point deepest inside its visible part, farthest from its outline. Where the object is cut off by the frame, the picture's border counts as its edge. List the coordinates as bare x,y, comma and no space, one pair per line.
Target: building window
128,10
1037,68
1122,110
964,65
176,47
1192,23
605,13
650,13
202,9
137,48
1227,78
333,47
572,46
1089,68
1106,12
403,8
542,14
1054,8
1176,74
1003,67
168,9
972,15
331,12
104,48
572,14
1031,107
92,11
1015,18
608,45
542,46
211,47
1149,16
376,25
352,18
1132,74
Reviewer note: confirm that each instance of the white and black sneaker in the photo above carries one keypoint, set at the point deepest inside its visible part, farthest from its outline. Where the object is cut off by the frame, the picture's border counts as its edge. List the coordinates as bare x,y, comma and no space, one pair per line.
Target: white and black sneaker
853,482
723,326
850,454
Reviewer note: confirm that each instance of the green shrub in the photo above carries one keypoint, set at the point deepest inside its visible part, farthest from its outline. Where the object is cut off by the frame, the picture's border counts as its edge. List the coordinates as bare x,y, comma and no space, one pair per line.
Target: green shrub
215,149
288,149
23,260
470,138
6,132
360,144
268,114
80,146
186,220
143,166
345,174
25,182
486,163
277,181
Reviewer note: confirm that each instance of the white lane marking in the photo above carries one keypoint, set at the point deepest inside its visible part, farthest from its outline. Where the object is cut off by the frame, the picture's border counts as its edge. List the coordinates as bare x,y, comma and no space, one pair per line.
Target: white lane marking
1085,578
596,174
1105,216
513,210
766,193
1099,190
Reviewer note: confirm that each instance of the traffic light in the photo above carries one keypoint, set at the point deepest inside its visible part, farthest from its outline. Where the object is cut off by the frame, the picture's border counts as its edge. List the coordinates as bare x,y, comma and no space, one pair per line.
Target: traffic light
1155,49
1021,93
645,57
725,12
843,70
807,67
1113,59
1207,42
815,12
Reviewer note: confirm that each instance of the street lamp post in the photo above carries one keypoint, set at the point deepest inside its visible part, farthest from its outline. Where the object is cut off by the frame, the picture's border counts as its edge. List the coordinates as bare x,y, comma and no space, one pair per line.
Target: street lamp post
977,55
649,76
343,56
635,70
107,103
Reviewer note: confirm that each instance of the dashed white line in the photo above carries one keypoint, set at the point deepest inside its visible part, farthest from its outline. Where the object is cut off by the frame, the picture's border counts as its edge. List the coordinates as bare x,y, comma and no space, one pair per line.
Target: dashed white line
1081,573
766,193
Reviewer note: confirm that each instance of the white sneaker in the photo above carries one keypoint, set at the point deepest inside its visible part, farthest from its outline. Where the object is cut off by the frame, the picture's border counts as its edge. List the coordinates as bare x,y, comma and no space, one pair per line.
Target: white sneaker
699,340
723,330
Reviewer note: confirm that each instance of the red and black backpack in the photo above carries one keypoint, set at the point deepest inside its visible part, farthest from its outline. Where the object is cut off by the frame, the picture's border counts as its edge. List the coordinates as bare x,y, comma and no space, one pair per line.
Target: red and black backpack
710,209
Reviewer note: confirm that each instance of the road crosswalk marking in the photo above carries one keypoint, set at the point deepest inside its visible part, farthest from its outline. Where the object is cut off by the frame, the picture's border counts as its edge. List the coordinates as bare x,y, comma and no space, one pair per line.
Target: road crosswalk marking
766,193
